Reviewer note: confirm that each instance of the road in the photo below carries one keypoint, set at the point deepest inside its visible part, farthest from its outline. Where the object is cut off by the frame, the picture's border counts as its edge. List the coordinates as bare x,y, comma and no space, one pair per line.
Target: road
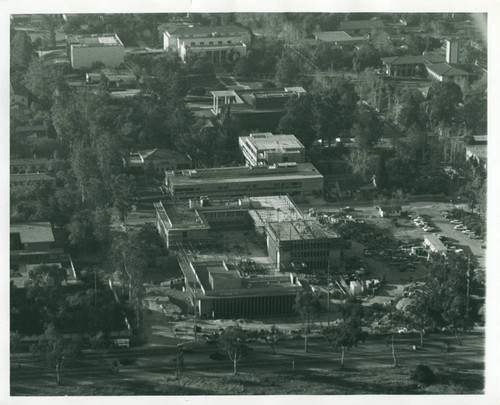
155,361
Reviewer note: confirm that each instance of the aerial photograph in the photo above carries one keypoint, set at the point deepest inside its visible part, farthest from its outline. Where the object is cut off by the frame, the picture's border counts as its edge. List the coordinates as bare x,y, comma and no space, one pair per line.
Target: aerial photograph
248,203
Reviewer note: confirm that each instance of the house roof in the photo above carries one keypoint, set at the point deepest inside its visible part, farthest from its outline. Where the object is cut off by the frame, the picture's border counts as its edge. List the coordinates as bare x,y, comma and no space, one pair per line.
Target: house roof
332,36
34,232
268,141
445,69
162,154
361,24
29,177
404,60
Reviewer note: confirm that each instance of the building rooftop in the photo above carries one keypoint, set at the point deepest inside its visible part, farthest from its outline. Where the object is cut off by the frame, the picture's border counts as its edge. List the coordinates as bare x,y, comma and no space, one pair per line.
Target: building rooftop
445,69
30,177
216,278
435,242
34,232
180,216
404,60
94,40
267,140
29,161
244,173
300,230
187,30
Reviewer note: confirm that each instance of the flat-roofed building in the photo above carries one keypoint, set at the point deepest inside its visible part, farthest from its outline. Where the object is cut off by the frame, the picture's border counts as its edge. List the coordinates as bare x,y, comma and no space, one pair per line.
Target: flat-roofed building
29,165
219,290
295,244
190,222
294,179
85,50
34,236
262,149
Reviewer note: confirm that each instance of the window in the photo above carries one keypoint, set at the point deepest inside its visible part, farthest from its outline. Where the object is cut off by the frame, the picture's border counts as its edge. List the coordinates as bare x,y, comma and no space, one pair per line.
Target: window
211,43
220,42
202,43
193,43
229,42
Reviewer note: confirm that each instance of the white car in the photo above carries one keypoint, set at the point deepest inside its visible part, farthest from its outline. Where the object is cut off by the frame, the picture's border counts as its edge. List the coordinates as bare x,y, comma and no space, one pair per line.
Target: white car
466,232
473,236
427,228
455,222
459,227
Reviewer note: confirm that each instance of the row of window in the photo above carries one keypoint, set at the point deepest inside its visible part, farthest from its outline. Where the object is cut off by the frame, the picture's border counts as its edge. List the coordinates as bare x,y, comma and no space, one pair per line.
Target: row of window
312,253
212,42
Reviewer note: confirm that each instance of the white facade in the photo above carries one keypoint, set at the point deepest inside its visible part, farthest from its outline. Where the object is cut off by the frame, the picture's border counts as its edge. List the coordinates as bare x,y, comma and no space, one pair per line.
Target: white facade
263,149
84,51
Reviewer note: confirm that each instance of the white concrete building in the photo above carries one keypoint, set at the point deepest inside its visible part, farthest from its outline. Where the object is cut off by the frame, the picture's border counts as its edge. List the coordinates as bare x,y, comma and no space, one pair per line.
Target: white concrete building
84,50
262,149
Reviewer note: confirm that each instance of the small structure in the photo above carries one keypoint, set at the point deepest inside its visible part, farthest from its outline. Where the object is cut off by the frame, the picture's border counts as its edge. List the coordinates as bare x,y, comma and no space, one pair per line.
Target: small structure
32,131
159,159
33,165
85,50
388,211
262,149
434,244
219,290
19,95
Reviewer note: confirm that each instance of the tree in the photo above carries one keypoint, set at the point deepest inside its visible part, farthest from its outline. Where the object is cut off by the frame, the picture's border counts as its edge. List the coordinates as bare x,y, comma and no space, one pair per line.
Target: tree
299,120
15,342
272,337
442,101
366,56
123,192
287,70
233,341
43,79
55,350
308,306
348,332
359,162
367,129
178,361
21,50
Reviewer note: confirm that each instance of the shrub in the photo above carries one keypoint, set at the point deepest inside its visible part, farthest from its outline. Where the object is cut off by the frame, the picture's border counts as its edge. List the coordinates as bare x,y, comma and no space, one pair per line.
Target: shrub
423,374
197,91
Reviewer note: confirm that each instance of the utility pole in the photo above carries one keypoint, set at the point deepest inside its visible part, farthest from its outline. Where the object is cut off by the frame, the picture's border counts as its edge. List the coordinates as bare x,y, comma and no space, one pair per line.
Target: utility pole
468,288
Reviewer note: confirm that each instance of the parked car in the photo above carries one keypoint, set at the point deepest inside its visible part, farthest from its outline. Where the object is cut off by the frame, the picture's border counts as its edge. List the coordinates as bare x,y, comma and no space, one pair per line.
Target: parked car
455,222
459,227
427,228
472,235
466,232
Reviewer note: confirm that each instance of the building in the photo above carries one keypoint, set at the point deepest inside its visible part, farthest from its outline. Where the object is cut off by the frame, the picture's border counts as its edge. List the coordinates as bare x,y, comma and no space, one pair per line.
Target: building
295,244
388,211
339,38
159,159
263,149
404,66
113,78
445,72
255,108
32,131
190,222
219,290
362,27
33,244
31,179
294,179
220,44
85,50
434,244
19,166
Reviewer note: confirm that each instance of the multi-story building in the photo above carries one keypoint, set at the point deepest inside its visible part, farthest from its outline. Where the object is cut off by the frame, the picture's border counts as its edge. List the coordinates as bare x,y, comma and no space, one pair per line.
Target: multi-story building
219,44
295,244
85,50
190,222
294,179
263,149
219,290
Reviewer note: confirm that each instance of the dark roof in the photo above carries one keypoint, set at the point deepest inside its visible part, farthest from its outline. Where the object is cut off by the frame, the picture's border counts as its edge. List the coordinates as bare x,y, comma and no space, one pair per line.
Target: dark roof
404,60
361,24
190,30
445,69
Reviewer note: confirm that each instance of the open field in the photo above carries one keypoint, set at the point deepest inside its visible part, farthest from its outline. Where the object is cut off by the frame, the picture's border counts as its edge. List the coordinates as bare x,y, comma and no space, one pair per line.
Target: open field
368,370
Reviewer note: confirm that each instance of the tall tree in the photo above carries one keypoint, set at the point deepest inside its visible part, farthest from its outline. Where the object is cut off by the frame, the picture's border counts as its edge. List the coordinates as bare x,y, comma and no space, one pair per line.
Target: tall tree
21,50
233,341
287,70
299,120
55,350
308,306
